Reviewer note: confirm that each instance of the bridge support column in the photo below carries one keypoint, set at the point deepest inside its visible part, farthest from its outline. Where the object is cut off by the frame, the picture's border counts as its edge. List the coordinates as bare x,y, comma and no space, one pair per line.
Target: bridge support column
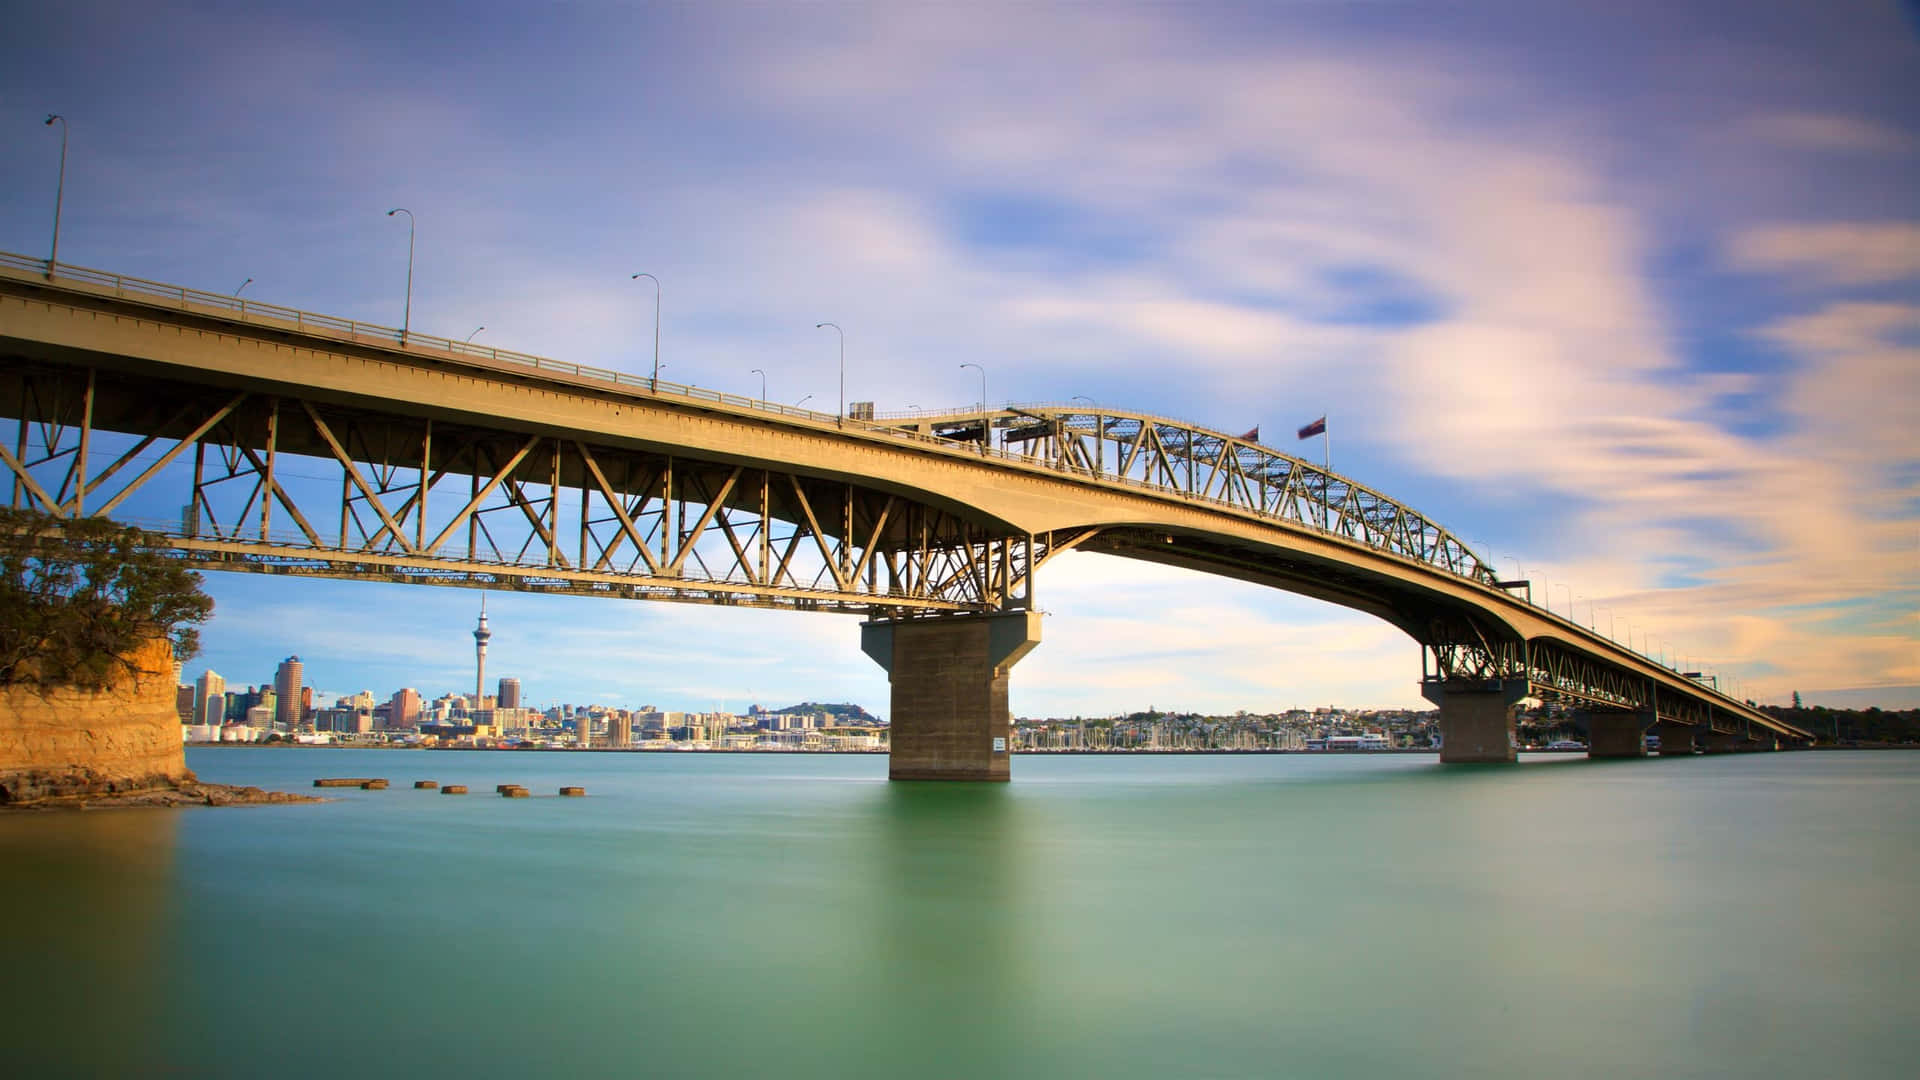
1476,721
1617,734
1722,742
949,717
1676,740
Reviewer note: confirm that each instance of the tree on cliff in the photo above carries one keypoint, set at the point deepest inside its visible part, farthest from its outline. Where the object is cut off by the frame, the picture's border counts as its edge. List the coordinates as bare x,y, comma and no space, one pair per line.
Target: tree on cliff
77,596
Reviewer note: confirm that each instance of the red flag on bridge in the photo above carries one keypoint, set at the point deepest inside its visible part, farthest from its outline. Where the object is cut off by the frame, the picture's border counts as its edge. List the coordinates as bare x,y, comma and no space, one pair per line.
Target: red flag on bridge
1318,427
1252,436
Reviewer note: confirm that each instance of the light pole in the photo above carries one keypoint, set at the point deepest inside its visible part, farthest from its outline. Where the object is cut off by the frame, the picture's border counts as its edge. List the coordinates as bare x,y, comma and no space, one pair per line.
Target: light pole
653,386
1569,588
985,427
59,191
1610,633
406,320
763,383
1082,397
803,401
1590,619
840,418
243,287
476,330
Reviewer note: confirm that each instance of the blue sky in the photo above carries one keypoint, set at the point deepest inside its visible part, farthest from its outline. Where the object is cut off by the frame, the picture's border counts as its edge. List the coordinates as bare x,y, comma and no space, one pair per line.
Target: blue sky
1628,294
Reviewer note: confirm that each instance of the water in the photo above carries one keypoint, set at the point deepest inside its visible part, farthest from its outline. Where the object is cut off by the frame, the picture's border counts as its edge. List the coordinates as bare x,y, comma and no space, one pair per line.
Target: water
761,915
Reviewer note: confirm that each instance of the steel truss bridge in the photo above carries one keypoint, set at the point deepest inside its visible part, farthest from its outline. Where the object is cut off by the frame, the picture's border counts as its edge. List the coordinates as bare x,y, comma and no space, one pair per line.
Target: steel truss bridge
262,438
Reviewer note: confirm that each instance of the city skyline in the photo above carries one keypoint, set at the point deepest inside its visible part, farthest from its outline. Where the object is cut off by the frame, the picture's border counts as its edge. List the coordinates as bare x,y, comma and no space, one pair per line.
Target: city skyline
1640,330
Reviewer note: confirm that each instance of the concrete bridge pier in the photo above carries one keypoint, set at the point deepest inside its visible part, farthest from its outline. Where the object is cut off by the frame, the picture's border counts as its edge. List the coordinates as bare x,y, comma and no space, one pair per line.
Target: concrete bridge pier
1676,740
1617,734
1476,720
949,718
1722,742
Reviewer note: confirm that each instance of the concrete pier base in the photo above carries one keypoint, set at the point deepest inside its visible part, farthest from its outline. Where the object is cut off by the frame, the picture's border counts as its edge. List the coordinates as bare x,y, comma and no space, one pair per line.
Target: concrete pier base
1617,734
1476,722
1676,740
949,718
1715,742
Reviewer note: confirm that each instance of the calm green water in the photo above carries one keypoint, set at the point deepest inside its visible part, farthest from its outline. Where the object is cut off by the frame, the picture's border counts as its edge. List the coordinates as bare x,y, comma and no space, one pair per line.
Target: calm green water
706,915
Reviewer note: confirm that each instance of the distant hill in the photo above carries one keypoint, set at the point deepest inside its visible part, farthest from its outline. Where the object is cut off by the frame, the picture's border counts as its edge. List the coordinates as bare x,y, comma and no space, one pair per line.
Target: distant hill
843,712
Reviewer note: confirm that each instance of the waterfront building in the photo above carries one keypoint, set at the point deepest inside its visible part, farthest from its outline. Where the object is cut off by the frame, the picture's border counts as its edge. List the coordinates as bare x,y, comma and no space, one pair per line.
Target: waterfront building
183,702
406,708
288,693
509,697
209,698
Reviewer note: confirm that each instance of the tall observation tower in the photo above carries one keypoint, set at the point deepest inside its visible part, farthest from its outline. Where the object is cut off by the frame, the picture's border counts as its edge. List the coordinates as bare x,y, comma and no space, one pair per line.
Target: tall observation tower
480,637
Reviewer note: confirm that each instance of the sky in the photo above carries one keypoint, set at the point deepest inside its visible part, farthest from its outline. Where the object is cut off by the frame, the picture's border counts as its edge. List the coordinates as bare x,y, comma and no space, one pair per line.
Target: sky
1627,294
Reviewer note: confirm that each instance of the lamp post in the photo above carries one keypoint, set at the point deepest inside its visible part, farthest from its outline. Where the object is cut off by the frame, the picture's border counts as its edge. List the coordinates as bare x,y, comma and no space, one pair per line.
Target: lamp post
985,426
1085,398
653,386
1569,588
803,401
841,417
59,191
1610,633
763,383
406,319
476,330
243,287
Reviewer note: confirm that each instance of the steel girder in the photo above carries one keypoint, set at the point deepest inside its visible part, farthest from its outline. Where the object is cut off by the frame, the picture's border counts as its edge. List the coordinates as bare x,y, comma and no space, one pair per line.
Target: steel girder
1463,655
1209,465
240,481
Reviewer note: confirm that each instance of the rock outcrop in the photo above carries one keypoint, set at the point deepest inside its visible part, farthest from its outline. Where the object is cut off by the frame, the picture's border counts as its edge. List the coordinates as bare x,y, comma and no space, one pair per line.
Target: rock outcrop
63,742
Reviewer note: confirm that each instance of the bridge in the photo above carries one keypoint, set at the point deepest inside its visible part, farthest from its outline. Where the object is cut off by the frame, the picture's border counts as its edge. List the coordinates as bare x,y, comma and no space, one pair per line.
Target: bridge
261,438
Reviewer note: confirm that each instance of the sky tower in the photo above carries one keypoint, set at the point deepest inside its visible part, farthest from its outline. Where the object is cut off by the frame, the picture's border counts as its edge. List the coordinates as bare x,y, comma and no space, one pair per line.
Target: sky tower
480,637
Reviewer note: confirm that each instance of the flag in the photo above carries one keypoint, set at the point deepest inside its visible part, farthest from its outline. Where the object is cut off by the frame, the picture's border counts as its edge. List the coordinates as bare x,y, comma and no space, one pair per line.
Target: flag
1318,427
1252,436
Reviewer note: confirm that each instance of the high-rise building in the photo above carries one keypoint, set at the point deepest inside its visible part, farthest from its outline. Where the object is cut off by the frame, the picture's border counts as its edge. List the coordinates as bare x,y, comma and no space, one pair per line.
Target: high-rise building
509,694
288,698
481,635
183,702
209,698
406,708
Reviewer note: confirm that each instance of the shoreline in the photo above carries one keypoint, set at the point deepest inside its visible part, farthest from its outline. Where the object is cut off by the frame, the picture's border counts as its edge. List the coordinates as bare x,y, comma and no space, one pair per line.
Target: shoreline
186,793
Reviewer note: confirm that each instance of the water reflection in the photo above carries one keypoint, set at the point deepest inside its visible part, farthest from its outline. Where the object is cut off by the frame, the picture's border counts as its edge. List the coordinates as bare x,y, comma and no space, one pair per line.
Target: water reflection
946,955
85,899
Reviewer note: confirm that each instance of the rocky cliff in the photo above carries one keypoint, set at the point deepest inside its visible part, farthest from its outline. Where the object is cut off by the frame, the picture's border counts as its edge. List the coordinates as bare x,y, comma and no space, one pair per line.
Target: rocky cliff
68,742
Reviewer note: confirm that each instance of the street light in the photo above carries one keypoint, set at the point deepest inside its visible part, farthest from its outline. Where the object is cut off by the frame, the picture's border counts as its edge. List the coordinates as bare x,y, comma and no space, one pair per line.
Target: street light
654,386
59,191
476,330
243,287
843,368
406,320
1082,397
1560,585
1610,633
763,383
985,427
803,401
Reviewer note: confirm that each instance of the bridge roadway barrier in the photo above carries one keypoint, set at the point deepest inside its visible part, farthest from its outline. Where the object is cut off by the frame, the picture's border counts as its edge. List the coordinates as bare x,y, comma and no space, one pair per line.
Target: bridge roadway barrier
949,717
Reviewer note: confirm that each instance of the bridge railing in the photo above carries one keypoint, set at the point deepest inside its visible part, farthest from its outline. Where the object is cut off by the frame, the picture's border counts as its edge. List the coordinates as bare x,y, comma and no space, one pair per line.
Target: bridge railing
257,312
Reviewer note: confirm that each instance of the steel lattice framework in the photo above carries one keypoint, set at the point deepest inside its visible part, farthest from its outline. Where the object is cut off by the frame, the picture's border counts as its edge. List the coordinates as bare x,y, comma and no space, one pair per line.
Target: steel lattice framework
1210,466
294,487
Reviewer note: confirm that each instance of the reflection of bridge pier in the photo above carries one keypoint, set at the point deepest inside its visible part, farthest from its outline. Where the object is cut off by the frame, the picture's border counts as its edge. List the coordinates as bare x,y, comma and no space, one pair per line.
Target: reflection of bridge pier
949,717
